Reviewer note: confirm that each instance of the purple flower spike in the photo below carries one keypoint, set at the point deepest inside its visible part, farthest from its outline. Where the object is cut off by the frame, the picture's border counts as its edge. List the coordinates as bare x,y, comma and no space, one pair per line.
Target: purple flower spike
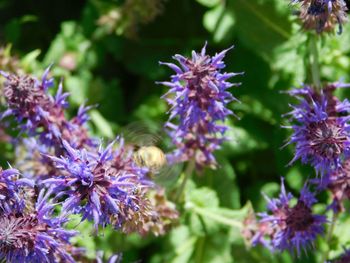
34,236
321,129
39,113
198,96
295,227
102,186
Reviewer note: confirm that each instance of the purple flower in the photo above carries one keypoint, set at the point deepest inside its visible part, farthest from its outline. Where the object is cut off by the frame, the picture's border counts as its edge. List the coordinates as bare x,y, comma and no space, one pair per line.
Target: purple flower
13,191
34,236
338,183
295,226
39,113
322,15
321,129
198,98
100,186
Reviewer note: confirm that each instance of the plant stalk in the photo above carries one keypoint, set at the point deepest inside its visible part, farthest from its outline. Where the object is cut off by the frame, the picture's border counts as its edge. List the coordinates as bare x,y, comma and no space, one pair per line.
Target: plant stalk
329,236
188,172
315,66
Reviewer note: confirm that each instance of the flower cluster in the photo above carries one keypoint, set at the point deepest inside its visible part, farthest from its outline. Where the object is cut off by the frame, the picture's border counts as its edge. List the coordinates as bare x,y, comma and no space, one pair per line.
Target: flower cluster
322,15
290,227
108,188
321,129
42,117
198,98
59,158
101,187
38,113
28,231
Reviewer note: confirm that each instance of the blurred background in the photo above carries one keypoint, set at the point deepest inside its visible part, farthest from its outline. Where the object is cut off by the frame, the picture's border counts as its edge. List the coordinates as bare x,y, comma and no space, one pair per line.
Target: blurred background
107,52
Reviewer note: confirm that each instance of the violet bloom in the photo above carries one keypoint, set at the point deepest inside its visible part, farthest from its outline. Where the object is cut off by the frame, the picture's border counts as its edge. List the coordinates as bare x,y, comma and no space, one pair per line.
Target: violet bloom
101,186
322,15
34,236
39,113
321,129
338,183
198,98
295,226
13,191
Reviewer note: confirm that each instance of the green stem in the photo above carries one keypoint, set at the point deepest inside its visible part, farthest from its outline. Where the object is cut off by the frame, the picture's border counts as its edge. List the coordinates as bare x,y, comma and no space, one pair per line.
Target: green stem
200,250
329,236
188,172
315,67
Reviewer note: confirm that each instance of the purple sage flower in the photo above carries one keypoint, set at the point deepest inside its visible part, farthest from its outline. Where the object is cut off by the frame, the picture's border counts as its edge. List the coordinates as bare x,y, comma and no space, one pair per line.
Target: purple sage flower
101,186
34,236
198,97
40,114
322,15
295,226
320,129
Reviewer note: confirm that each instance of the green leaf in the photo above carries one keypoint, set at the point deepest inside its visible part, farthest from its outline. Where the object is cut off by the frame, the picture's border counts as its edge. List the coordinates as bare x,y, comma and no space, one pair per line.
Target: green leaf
29,18
183,244
242,142
70,39
260,24
29,61
102,124
295,178
84,238
202,197
219,21
75,87
216,249
287,59
209,3
229,193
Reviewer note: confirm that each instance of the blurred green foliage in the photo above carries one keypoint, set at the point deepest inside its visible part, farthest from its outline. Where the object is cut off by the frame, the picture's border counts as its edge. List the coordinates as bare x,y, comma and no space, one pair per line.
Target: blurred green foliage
107,53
